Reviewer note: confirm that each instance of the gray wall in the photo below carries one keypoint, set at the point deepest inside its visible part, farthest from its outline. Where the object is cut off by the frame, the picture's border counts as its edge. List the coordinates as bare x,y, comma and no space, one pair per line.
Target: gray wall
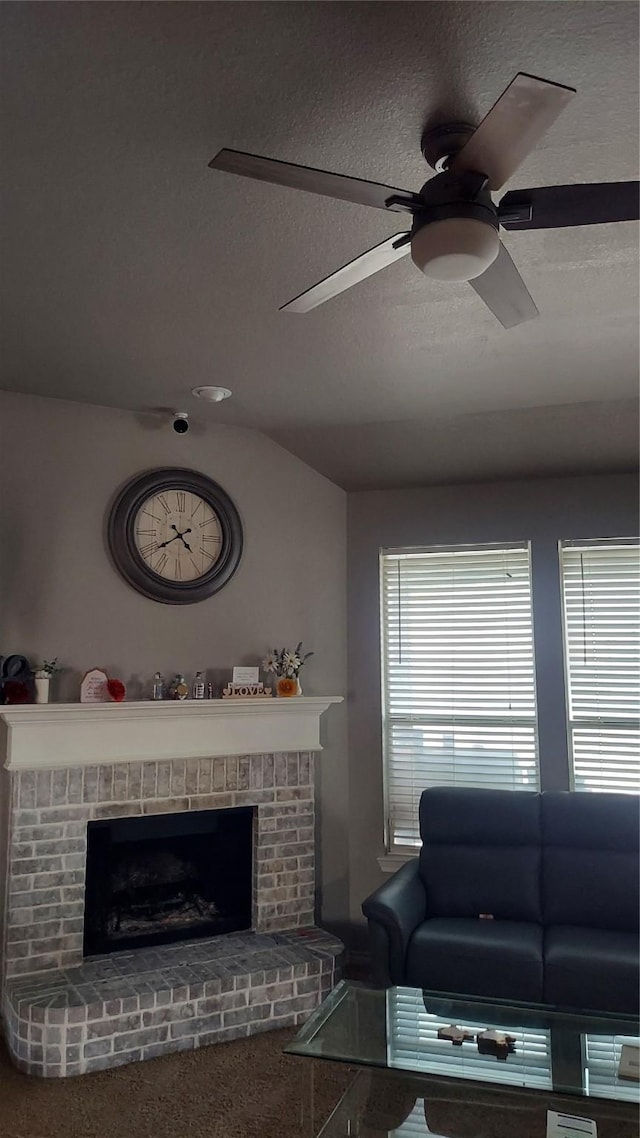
61,464
540,511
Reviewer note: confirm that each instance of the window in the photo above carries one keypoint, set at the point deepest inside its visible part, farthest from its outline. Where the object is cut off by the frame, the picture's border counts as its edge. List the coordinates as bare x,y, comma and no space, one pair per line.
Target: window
459,703
601,587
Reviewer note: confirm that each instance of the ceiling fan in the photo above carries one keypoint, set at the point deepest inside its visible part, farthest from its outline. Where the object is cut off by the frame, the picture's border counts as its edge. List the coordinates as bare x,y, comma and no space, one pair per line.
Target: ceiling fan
454,231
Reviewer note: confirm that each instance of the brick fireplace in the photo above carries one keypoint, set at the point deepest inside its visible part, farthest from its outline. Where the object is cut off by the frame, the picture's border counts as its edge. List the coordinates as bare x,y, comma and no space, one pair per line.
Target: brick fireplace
73,1003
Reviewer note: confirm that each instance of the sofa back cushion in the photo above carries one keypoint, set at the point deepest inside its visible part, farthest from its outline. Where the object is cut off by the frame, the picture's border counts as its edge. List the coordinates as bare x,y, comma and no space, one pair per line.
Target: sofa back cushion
481,853
590,860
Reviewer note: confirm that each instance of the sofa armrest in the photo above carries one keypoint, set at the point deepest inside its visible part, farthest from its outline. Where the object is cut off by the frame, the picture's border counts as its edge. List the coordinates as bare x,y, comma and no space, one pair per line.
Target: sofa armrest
394,911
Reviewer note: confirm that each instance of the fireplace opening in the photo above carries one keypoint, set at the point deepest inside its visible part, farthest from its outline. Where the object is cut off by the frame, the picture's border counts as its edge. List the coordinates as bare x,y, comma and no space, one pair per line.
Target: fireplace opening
166,878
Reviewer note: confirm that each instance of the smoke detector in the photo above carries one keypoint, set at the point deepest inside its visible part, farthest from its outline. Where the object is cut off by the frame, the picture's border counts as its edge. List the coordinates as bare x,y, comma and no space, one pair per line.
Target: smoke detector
211,394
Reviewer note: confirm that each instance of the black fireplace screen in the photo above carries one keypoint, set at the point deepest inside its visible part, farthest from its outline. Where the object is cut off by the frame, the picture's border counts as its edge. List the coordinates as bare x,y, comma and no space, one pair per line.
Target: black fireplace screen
168,877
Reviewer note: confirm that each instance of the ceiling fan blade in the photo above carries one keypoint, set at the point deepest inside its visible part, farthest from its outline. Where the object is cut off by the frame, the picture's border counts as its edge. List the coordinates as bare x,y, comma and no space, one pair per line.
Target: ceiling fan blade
314,181
513,126
552,207
357,270
504,292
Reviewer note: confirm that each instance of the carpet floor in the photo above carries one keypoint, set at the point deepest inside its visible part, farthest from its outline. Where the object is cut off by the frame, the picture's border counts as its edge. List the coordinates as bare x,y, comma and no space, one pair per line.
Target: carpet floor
249,1089
244,1089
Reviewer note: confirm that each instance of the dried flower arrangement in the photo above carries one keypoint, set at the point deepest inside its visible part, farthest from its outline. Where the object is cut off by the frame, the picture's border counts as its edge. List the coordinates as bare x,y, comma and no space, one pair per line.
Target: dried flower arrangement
285,662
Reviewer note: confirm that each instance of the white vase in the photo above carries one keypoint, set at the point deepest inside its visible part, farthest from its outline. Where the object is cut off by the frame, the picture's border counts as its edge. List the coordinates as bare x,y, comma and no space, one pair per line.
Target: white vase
42,688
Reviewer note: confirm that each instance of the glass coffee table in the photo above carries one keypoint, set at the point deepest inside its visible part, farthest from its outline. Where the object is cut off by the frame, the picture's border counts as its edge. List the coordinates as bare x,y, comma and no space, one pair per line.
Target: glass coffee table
426,1063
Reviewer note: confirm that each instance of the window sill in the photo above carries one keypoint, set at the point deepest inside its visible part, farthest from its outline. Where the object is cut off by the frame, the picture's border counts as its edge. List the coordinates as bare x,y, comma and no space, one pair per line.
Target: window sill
390,862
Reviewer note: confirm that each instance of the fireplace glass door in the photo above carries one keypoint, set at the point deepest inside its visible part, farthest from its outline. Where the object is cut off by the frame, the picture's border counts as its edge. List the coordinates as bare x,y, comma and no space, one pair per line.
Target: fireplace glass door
168,877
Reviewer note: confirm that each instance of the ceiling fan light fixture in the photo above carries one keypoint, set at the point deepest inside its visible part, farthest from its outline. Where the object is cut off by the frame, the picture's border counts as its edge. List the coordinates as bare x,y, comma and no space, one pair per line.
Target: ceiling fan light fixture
455,248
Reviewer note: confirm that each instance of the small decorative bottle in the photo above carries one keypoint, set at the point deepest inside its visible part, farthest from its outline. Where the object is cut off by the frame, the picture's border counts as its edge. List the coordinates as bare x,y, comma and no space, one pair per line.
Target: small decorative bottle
209,690
197,692
158,686
179,689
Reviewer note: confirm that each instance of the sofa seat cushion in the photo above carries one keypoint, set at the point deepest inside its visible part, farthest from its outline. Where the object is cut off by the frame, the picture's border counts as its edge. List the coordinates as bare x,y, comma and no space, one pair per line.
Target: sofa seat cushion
594,969
502,959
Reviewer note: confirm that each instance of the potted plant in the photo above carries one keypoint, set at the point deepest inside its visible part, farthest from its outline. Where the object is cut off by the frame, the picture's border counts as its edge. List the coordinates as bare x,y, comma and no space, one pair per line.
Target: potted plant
42,678
285,664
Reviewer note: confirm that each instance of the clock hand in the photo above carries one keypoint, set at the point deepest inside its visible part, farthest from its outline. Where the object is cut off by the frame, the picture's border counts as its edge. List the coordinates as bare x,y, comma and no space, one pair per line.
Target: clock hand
181,536
161,544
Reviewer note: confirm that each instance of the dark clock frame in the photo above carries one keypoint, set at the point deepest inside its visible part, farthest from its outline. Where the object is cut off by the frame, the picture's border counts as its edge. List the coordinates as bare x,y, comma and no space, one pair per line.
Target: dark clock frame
127,560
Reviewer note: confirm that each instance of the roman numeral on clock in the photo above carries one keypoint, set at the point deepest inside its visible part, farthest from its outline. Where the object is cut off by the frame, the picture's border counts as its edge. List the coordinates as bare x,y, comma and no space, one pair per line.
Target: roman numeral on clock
211,537
181,499
148,549
163,502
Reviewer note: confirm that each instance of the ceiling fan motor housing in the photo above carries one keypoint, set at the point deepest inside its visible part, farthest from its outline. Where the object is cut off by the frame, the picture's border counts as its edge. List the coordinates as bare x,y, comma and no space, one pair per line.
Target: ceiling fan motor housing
455,236
440,143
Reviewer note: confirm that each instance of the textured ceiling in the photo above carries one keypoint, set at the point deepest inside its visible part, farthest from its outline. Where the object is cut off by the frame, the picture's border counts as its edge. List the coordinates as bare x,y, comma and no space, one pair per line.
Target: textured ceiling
132,273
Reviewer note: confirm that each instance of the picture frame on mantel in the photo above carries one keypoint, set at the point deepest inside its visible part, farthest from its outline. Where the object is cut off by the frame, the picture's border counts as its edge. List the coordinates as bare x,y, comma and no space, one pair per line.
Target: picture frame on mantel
93,688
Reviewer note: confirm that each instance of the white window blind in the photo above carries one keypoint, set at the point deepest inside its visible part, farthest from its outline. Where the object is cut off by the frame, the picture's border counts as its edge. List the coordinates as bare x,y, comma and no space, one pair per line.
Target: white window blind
459,704
601,1060
413,1045
414,1125
601,587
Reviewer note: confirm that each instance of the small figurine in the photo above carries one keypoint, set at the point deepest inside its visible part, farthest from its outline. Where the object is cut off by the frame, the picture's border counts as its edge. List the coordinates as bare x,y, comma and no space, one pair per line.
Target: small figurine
158,686
498,1043
197,692
457,1035
179,689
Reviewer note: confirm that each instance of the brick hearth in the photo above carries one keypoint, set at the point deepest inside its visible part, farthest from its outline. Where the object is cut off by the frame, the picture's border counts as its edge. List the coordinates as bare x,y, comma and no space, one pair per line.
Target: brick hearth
137,1005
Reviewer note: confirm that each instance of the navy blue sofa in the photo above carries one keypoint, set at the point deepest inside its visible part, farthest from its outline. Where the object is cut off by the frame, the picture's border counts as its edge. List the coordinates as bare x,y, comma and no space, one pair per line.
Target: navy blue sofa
516,896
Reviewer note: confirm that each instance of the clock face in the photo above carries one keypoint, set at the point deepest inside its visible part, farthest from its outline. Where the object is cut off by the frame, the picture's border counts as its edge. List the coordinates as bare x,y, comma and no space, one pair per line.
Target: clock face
178,535
175,536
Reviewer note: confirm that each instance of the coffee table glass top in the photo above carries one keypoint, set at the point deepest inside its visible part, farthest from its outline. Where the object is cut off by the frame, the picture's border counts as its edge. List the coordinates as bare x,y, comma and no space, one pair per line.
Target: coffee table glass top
442,1036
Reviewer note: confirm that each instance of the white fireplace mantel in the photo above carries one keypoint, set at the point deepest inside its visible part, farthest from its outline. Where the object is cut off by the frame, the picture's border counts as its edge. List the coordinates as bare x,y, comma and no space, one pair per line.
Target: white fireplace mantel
83,734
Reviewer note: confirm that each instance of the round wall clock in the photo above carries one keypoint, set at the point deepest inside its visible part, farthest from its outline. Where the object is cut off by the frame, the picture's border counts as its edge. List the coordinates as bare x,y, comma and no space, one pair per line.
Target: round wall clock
175,536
